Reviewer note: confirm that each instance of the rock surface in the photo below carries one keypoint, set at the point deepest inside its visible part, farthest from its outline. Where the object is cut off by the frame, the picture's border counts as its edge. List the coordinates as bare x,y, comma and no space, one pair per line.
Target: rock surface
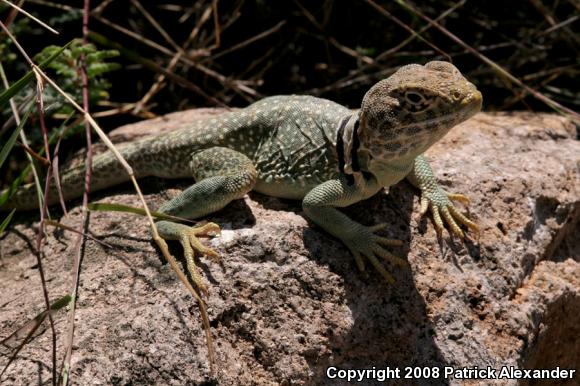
288,301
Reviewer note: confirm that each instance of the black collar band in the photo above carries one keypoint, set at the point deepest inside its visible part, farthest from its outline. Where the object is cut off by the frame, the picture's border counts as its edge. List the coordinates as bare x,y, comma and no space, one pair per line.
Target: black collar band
355,146
348,164
340,143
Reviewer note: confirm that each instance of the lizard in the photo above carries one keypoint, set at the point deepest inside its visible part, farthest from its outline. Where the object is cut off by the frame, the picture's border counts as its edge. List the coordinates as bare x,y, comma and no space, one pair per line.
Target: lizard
306,148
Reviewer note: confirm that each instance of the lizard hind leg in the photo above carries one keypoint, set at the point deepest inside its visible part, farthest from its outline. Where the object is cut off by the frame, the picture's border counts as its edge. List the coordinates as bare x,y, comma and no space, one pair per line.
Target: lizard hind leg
222,175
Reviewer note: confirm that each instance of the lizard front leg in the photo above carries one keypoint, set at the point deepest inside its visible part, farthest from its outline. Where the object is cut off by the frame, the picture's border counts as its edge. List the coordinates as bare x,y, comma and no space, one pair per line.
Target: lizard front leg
222,175
319,205
436,199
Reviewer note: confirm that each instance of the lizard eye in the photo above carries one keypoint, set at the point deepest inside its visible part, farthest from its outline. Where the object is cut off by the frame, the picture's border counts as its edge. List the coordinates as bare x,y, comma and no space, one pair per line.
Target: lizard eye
414,101
414,97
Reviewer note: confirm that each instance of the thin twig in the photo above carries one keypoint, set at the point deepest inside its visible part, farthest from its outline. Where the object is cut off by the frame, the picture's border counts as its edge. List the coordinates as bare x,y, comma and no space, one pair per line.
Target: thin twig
155,235
156,25
24,140
386,13
83,226
216,24
359,76
347,50
52,4
225,81
43,208
161,77
31,16
251,40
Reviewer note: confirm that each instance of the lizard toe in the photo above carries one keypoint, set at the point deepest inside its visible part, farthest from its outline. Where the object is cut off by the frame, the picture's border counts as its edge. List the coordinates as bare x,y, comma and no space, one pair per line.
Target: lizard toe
389,242
197,245
458,197
368,245
464,220
207,229
455,229
388,256
189,254
379,267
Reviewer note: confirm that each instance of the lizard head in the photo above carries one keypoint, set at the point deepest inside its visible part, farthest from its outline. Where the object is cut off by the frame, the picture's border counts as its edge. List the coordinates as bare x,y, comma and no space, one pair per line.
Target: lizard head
405,114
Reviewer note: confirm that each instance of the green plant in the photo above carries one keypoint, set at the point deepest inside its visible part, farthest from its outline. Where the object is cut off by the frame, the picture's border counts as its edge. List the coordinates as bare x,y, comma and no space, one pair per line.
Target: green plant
68,76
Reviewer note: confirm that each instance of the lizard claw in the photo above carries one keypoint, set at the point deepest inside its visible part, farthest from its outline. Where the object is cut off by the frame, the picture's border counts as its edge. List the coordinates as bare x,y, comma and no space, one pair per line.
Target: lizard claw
458,197
188,238
365,243
443,210
208,229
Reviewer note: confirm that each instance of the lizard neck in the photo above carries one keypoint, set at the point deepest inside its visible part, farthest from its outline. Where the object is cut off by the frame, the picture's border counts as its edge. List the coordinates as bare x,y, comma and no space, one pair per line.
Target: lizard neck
356,160
387,172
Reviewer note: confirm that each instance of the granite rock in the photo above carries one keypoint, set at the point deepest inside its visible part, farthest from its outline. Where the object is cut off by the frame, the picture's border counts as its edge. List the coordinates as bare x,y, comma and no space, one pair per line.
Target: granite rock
288,301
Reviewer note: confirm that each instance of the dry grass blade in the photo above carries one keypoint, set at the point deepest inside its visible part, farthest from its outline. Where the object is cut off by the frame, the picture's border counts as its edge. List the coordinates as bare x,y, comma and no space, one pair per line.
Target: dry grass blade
249,41
83,228
154,66
158,85
42,202
28,329
347,50
59,225
158,240
31,17
386,13
228,83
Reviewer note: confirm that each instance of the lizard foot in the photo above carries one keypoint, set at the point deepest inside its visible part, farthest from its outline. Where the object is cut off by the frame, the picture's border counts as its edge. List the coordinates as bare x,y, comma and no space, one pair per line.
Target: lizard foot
365,243
439,202
188,238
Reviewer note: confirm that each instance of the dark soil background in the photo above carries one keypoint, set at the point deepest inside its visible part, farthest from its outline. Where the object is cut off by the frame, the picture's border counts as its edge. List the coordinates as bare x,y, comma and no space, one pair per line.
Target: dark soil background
244,50
537,41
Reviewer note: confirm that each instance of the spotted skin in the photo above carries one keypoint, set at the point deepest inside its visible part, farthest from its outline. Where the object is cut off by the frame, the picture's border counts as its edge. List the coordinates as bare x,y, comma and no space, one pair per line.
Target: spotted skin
302,147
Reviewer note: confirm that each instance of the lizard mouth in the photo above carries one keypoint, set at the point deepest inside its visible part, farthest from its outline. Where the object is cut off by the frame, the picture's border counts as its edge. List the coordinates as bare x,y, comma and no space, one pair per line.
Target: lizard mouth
472,103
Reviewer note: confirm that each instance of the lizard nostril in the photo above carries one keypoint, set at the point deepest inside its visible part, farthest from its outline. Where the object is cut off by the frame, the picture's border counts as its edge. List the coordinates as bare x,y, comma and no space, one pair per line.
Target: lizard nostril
456,95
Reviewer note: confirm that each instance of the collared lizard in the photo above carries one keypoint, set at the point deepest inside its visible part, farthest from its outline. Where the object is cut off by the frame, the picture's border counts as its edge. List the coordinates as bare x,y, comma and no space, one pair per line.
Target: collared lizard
301,147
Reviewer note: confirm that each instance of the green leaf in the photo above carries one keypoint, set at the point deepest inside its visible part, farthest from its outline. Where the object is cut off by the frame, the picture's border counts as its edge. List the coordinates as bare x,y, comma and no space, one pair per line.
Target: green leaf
22,82
6,194
12,140
6,221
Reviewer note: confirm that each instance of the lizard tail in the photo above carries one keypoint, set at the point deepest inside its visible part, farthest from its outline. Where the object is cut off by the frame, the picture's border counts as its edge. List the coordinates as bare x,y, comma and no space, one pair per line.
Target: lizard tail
107,171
